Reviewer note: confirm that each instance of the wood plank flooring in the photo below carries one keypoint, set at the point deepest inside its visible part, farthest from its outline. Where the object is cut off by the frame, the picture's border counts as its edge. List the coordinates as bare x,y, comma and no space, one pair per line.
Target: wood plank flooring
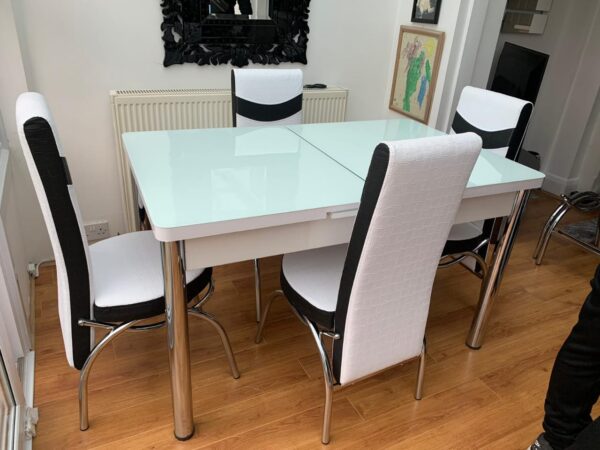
491,398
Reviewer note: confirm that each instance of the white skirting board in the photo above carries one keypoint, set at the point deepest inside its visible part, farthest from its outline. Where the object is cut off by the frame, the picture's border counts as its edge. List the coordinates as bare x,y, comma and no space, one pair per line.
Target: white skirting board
559,185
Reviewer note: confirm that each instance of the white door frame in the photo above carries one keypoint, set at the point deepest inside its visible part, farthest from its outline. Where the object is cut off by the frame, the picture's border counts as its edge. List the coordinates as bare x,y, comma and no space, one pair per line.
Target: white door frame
15,341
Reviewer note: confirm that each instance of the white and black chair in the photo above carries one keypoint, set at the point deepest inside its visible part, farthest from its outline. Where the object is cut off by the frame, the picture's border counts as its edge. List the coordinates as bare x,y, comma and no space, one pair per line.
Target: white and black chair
262,97
501,122
372,296
113,284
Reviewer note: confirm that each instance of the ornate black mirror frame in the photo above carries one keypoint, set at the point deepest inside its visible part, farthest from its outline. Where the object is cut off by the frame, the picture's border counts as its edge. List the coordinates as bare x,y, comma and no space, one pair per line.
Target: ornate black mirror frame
283,38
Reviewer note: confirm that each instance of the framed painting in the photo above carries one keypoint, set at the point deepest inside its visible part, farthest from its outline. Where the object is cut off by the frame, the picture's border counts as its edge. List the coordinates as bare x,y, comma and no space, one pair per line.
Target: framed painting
426,11
415,75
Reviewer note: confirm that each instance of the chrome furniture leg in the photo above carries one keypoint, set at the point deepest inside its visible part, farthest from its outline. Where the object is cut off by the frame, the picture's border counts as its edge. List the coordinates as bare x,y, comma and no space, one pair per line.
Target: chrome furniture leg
257,290
327,377
495,271
178,342
87,366
421,372
549,227
261,324
224,339
457,258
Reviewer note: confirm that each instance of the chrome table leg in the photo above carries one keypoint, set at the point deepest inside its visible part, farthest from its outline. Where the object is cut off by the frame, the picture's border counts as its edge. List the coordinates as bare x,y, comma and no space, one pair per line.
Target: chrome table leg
178,338
495,272
421,372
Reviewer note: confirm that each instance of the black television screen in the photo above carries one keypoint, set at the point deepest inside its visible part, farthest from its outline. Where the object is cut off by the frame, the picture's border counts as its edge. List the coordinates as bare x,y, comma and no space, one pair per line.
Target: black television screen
519,72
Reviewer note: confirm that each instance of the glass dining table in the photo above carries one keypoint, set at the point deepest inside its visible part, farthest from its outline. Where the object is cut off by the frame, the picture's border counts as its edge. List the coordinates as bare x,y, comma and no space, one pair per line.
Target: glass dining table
217,196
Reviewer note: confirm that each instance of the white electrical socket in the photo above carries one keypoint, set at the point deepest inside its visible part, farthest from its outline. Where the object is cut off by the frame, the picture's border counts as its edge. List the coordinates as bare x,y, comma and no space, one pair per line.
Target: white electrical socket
96,230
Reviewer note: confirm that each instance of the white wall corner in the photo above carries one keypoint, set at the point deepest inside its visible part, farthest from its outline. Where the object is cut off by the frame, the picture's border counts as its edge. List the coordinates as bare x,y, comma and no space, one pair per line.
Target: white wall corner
559,185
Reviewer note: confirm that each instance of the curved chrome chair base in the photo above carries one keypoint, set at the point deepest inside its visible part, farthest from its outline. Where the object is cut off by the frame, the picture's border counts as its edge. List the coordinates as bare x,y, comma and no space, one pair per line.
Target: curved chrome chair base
265,312
586,201
328,377
116,330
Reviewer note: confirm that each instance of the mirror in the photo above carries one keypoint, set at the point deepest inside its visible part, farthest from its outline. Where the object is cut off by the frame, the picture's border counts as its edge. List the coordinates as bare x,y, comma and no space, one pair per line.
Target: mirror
248,9
236,31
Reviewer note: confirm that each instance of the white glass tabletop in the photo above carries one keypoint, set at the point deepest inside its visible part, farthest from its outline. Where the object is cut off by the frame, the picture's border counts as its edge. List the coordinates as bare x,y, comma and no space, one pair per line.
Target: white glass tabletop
352,145
235,178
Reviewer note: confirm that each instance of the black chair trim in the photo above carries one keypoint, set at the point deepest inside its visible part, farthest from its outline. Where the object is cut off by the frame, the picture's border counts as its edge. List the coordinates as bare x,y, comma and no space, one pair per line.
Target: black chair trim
55,179
268,113
517,138
491,139
368,202
150,308
465,245
323,318
233,99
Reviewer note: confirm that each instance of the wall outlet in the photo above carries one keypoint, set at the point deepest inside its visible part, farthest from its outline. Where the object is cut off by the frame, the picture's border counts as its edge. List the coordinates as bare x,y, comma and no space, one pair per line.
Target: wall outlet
96,230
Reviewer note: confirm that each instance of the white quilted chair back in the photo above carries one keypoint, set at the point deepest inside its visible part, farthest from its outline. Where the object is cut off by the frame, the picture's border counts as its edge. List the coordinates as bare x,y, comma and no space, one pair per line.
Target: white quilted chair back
52,182
499,120
266,97
409,202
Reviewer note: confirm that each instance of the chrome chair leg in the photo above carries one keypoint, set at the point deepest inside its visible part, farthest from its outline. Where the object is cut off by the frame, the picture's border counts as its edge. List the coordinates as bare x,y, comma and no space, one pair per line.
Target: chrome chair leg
328,379
457,258
261,323
544,232
87,366
548,230
257,289
421,372
224,339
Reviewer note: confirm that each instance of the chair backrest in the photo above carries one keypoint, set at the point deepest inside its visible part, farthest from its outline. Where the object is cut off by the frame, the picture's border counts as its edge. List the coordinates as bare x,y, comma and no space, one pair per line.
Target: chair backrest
500,120
410,199
266,97
52,182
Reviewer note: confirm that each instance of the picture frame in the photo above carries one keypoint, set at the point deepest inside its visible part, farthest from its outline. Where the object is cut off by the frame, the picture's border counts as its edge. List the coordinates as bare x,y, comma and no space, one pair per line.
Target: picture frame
416,70
426,11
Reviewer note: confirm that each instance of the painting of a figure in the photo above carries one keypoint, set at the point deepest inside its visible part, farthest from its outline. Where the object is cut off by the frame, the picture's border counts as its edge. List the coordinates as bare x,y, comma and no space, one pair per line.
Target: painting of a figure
417,62
426,11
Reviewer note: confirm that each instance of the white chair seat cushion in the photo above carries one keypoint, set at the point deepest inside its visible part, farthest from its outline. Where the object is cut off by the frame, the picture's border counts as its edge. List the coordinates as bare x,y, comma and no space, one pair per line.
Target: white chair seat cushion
315,276
464,237
127,271
464,231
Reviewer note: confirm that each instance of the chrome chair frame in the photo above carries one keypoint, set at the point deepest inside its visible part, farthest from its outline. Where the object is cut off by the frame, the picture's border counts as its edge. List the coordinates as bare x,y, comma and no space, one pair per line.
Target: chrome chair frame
456,258
328,378
257,289
484,263
115,330
567,203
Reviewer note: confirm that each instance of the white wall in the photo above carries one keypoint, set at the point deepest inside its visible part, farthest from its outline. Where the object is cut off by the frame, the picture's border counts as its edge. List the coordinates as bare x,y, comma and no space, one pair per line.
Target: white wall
568,90
27,237
75,51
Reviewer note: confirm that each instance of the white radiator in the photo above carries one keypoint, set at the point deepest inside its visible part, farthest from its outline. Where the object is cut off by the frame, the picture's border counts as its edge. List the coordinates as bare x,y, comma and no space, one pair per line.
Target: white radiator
150,110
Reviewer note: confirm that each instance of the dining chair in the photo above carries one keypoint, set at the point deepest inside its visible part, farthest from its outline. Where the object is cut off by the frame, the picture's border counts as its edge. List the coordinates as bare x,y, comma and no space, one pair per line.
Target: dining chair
501,122
265,97
585,234
114,284
372,295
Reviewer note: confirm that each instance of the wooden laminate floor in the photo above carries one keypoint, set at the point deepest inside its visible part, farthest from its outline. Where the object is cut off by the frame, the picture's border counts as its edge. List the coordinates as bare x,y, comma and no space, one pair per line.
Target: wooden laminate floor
491,398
